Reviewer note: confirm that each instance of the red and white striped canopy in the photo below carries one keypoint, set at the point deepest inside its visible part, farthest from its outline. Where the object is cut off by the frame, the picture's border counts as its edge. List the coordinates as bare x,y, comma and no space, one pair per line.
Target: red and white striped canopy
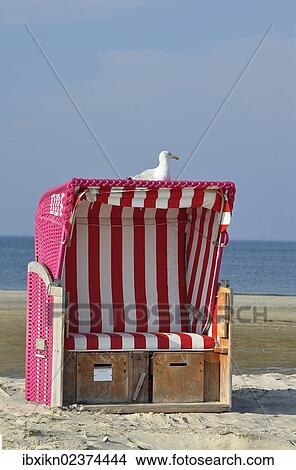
211,198
145,260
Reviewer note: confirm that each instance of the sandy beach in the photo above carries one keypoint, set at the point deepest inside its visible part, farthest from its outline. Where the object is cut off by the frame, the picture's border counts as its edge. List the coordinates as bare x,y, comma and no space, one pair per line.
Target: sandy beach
264,393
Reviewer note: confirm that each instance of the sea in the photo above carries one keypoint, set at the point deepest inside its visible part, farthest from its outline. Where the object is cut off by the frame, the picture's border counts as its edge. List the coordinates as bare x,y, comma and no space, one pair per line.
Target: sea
252,267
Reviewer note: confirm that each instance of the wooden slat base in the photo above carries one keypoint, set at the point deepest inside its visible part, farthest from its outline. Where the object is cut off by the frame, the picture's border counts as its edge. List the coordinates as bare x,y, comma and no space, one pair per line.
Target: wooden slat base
212,407
176,382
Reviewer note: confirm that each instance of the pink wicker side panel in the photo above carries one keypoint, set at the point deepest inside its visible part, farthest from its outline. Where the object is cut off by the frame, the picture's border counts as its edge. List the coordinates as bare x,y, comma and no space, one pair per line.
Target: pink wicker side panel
39,325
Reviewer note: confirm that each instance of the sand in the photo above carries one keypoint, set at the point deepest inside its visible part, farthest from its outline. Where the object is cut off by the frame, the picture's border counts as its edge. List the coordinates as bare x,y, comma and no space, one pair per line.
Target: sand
264,393
263,417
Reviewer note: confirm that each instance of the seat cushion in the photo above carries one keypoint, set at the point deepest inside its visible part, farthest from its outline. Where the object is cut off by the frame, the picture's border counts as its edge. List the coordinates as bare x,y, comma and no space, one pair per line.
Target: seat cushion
137,341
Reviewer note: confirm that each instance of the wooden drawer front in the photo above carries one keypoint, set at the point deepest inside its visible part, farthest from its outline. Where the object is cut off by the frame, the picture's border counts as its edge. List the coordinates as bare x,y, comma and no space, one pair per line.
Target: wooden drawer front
178,377
102,378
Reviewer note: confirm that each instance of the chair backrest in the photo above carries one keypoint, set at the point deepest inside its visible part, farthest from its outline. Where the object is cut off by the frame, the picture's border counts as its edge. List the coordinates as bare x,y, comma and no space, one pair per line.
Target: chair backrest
125,270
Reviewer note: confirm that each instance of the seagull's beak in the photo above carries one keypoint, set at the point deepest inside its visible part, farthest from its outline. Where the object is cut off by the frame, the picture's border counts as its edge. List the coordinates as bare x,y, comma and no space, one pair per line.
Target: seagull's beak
175,157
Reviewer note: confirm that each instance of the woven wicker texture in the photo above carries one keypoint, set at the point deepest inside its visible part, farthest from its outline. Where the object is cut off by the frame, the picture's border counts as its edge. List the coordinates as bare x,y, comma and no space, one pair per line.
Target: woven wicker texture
39,325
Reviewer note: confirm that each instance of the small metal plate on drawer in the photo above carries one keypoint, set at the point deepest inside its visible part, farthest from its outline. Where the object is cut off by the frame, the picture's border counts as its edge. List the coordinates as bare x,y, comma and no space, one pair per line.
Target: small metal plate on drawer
102,373
41,344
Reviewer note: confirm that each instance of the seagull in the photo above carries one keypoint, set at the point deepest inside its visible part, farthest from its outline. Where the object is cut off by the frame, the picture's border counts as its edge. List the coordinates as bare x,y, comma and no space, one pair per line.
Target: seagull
161,172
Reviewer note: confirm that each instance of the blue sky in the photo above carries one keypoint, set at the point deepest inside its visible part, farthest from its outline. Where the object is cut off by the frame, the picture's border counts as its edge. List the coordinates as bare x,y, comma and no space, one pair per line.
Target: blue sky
150,75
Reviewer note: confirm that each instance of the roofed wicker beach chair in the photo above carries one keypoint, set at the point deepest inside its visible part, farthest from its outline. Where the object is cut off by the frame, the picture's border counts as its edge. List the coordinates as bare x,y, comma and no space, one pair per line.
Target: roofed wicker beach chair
125,311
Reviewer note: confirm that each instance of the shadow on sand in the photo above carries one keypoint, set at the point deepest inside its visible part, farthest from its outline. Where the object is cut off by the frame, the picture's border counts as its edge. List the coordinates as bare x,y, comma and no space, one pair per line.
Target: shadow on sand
258,400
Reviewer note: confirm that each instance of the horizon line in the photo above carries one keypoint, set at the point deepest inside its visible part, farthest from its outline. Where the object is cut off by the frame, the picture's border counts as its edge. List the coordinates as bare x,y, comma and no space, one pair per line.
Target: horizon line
231,239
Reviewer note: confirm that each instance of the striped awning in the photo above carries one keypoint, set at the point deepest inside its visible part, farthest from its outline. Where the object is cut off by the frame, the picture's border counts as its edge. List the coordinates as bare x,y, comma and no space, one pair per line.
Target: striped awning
212,199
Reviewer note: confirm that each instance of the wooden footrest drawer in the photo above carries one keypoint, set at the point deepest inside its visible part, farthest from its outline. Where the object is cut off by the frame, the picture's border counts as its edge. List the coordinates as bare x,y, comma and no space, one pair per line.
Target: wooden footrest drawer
106,378
178,377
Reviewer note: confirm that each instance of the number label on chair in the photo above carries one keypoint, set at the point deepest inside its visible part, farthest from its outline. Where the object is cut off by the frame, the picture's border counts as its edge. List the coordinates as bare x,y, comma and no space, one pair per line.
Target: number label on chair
56,204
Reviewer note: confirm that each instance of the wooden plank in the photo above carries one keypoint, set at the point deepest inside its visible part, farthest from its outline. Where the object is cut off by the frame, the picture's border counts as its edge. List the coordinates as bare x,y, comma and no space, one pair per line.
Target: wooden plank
220,350
225,379
139,386
211,377
224,342
105,391
70,376
223,312
178,377
213,407
225,359
211,357
57,346
138,365
42,271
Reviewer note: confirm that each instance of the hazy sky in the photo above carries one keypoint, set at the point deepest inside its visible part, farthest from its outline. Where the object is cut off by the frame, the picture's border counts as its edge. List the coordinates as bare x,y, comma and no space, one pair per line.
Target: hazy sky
150,75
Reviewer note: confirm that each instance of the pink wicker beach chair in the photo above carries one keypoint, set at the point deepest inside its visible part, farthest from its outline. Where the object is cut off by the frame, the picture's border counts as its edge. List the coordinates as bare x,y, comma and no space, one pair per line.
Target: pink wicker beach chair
124,305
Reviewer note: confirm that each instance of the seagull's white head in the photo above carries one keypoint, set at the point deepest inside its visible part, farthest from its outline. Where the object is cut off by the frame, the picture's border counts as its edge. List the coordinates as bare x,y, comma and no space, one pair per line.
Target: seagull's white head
165,155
